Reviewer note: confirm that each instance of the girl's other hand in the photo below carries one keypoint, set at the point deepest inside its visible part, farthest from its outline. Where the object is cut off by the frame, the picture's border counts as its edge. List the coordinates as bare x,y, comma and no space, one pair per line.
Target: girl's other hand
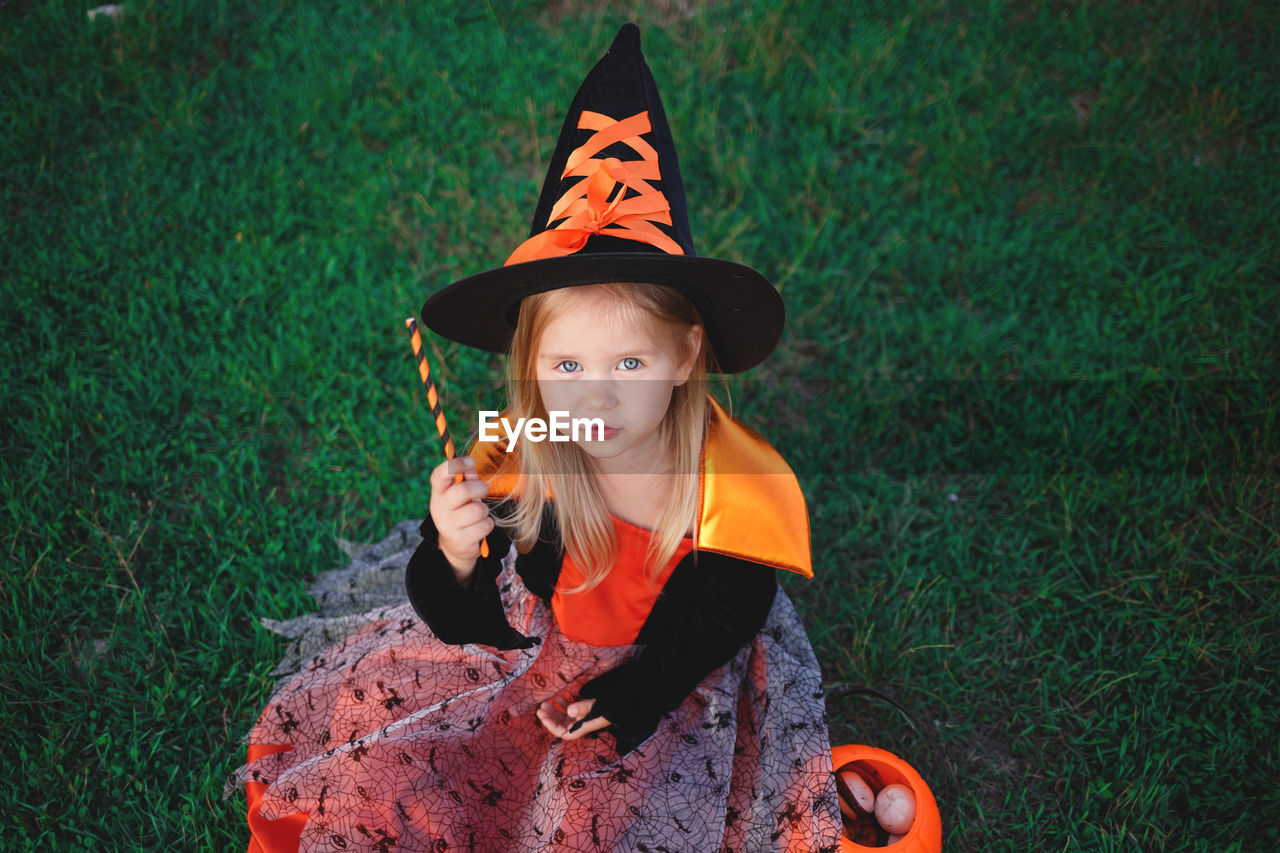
565,721
462,520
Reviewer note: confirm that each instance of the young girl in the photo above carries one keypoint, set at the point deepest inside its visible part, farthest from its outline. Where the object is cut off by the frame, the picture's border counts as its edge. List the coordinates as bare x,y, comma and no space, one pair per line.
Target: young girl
621,671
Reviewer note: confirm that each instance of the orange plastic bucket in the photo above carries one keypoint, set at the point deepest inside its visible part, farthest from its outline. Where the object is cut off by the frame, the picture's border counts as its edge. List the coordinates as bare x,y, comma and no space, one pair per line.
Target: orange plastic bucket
881,767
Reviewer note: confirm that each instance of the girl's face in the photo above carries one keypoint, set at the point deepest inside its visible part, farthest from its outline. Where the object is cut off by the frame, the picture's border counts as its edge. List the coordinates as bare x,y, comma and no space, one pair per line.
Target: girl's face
596,359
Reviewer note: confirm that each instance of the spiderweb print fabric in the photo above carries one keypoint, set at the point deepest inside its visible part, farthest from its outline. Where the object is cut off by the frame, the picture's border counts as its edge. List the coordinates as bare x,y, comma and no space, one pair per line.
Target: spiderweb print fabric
400,742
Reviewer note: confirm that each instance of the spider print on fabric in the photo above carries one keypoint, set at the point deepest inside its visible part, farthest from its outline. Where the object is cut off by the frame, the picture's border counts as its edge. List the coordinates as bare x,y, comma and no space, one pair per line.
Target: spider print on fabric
440,748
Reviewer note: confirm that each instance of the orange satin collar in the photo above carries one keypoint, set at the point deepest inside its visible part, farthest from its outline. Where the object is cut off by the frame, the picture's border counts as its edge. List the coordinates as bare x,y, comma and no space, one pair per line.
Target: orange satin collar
750,505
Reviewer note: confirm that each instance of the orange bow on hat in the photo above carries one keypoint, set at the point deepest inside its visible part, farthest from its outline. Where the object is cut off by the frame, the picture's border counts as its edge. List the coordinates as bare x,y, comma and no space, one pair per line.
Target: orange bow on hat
614,197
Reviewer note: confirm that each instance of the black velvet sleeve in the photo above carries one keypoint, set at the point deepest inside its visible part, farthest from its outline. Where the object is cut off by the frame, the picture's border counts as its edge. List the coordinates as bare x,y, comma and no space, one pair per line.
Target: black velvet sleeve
458,614
710,607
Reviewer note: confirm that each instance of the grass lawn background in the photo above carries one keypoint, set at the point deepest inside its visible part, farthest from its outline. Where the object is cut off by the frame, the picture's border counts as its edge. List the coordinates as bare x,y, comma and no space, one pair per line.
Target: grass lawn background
1028,381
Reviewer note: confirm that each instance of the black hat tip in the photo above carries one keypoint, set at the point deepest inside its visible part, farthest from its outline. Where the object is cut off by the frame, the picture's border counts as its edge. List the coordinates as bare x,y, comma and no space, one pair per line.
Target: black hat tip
628,39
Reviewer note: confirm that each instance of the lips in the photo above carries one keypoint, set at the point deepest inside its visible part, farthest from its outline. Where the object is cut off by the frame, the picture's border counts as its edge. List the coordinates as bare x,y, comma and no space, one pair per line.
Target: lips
609,432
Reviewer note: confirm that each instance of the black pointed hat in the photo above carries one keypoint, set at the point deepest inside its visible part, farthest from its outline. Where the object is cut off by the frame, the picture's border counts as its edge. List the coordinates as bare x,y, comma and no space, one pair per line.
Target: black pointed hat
612,209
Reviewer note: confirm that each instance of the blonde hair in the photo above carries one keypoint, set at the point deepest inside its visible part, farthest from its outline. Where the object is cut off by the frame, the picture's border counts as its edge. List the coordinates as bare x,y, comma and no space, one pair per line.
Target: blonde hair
561,470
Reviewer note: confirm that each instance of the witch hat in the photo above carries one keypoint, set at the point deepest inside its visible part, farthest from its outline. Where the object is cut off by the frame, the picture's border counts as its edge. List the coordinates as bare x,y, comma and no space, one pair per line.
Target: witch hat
612,209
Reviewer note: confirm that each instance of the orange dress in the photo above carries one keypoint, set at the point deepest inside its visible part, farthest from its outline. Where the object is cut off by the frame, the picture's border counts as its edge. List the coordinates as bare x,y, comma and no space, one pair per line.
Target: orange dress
383,736
612,612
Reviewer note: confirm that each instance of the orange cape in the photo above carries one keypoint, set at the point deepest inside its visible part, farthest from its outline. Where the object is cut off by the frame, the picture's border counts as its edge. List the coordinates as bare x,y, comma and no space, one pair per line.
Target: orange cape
749,502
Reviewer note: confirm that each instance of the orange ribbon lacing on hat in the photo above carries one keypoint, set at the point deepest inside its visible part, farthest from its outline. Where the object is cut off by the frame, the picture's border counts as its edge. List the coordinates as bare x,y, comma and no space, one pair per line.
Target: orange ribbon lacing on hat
599,204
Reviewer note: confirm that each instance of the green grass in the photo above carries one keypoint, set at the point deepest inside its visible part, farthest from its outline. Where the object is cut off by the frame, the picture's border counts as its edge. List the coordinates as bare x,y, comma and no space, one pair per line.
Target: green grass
1029,258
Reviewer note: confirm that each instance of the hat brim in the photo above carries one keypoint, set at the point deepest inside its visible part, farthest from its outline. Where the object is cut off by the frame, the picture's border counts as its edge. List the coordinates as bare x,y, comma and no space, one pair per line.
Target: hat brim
741,311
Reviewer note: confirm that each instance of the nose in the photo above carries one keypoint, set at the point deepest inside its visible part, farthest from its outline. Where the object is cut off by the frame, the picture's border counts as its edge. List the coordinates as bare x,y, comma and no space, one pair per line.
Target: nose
599,395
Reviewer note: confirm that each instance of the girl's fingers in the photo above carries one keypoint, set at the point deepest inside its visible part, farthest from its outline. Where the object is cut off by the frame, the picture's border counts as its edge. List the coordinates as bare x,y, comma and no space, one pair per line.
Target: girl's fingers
554,717
441,476
456,495
477,531
477,512
553,720
566,722
444,473
578,730
470,522
479,520
448,497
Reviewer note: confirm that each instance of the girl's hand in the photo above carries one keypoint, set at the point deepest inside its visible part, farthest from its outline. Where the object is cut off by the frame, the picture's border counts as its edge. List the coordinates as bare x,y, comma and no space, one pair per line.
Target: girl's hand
565,722
460,516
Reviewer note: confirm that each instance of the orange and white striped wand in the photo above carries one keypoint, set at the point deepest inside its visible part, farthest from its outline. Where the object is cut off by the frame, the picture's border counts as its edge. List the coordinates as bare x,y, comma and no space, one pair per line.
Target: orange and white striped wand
433,399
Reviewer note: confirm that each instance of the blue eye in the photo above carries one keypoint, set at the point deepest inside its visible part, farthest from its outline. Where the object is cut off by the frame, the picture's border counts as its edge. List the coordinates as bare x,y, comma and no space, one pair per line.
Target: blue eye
568,366
629,364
